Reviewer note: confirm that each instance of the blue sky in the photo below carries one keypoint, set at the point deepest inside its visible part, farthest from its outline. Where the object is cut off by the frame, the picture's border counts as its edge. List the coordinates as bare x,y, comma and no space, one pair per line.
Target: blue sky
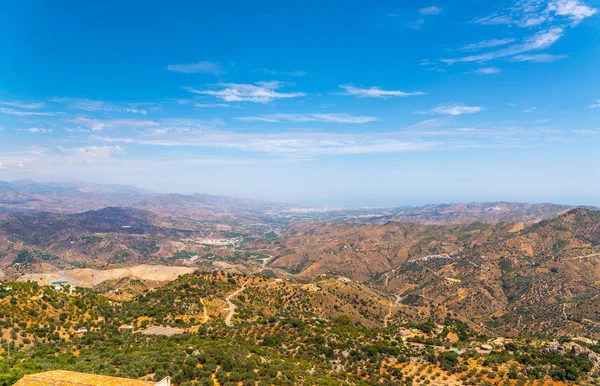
340,103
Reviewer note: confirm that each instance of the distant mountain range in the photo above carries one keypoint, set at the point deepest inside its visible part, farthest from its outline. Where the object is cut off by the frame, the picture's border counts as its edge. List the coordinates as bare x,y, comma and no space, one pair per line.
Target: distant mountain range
30,196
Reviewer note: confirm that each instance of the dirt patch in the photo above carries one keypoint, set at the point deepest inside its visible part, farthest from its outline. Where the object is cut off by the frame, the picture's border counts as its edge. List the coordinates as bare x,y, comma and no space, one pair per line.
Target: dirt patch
517,228
87,277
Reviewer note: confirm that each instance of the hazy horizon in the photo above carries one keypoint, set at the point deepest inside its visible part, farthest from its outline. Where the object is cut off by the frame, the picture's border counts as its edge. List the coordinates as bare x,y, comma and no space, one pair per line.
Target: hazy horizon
341,104
351,203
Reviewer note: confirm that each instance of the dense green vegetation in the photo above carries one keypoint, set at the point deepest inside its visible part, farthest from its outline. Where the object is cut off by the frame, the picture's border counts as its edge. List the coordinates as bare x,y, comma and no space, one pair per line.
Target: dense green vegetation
280,336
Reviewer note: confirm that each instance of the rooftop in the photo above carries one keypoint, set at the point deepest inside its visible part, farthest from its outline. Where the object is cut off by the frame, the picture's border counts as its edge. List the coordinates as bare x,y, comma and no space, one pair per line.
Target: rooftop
71,378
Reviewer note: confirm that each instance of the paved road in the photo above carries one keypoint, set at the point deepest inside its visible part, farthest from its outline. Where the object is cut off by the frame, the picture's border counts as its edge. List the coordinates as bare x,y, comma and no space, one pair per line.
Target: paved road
231,305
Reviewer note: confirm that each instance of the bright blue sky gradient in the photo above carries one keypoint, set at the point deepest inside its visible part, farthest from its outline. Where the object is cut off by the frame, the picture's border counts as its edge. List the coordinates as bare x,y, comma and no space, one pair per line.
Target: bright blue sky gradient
342,103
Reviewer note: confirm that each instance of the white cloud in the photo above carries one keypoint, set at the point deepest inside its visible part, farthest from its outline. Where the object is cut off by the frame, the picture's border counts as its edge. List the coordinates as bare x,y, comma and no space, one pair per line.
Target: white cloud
417,24
487,71
260,92
328,118
95,105
99,124
208,105
539,41
428,135
36,150
595,105
288,144
456,109
295,74
23,105
430,123
529,110
1,165
491,43
38,130
92,152
204,67
376,92
494,20
531,13
432,10
21,113
575,10
537,58
318,147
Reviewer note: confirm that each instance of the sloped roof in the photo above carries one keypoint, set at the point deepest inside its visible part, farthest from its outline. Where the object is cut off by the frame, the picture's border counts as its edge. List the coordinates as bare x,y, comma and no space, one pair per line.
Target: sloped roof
71,378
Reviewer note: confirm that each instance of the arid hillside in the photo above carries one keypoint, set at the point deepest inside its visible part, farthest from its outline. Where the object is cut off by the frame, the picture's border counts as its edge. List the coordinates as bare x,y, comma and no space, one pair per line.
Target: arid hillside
506,277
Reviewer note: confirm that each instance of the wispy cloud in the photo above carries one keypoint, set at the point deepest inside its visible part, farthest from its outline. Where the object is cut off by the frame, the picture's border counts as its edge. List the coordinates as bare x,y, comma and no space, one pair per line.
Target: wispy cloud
96,105
296,74
595,105
429,135
487,71
530,109
210,105
23,105
494,19
327,118
288,144
425,14
538,41
23,113
260,92
204,67
430,123
101,124
456,109
428,11
376,92
416,24
551,19
491,43
39,130
92,154
531,13
575,10
537,58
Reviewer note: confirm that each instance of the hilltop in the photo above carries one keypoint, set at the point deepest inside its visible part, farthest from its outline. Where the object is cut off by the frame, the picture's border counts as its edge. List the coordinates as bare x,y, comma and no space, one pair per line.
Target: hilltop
282,332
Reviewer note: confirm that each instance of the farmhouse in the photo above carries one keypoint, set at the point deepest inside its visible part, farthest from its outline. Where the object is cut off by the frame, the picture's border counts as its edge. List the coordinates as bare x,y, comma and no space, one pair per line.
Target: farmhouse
126,328
72,378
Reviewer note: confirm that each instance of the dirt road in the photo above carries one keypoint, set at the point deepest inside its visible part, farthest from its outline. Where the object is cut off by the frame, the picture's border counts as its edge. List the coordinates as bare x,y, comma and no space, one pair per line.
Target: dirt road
231,305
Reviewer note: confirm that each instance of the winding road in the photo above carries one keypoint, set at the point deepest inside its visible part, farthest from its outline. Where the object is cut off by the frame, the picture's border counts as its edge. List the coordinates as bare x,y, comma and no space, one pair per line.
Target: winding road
231,305
583,257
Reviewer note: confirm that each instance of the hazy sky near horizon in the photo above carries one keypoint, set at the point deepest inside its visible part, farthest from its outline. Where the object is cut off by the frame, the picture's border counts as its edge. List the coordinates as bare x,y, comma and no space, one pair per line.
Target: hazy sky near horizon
353,102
